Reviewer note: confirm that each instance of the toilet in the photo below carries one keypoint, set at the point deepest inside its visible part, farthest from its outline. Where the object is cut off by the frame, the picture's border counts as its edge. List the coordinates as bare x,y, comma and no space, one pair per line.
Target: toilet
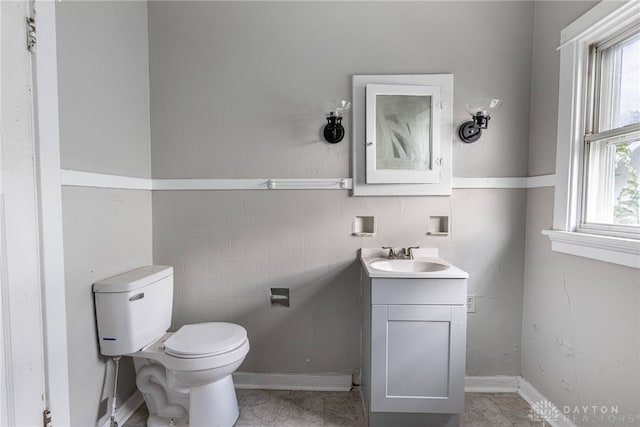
184,376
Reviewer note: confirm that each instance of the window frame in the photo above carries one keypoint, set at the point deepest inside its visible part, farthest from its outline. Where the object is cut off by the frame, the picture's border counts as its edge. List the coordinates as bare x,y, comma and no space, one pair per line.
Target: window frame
593,134
602,22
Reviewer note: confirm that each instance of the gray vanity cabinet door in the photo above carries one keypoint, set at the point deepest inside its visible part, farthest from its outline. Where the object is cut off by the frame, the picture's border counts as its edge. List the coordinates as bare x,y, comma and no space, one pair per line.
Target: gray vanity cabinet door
417,358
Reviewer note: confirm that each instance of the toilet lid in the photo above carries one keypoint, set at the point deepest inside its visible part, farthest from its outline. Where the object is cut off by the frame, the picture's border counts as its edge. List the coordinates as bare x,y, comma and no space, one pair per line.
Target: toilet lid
205,339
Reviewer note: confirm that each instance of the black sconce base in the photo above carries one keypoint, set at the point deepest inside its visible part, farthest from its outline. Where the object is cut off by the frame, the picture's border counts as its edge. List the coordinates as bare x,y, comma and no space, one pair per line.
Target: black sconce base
469,132
333,131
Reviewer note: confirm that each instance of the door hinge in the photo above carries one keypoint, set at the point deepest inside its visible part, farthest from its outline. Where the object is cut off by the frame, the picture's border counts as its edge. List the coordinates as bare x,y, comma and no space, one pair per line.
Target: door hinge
31,34
46,418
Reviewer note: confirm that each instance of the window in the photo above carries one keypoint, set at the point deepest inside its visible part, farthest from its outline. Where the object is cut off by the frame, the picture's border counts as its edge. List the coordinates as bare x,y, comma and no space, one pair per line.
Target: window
598,147
611,196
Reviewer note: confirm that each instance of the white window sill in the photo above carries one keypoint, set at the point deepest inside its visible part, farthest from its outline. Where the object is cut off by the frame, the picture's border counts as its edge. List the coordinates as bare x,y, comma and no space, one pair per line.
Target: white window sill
615,250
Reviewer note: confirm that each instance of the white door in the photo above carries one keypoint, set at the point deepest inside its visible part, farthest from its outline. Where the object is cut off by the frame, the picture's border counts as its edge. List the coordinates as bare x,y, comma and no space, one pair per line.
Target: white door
22,367
33,369
418,358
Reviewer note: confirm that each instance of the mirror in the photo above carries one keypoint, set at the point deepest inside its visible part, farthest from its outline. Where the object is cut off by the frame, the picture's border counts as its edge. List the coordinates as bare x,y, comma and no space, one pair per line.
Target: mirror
402,133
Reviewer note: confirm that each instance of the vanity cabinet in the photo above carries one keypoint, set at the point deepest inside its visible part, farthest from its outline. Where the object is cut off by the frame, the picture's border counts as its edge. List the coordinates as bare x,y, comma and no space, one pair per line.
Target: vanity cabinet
414,342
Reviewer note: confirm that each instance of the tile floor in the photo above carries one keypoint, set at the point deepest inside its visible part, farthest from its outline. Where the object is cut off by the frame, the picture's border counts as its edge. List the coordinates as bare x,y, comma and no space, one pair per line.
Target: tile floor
310,409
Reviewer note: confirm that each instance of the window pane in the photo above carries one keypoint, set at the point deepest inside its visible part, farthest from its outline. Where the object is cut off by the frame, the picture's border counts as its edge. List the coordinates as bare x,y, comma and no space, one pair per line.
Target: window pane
613,183
627,186
620,85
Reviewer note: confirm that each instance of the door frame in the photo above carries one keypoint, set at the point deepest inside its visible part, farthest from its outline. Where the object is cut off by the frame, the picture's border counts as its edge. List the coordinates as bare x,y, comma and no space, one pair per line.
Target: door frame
47,138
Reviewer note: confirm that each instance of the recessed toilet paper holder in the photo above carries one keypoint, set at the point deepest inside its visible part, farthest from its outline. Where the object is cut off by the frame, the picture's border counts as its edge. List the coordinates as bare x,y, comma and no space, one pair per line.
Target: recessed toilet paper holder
279,297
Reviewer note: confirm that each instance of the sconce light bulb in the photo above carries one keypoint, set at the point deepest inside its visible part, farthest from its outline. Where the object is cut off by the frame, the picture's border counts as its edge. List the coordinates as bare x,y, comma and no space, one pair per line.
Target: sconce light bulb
480,110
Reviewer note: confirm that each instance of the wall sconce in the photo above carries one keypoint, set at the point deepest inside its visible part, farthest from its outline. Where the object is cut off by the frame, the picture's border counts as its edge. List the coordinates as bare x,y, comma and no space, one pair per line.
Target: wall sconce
333,131
480,110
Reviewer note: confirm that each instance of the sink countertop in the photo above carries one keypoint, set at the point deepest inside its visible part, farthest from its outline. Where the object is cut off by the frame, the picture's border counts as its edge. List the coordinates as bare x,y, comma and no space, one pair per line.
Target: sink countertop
368,255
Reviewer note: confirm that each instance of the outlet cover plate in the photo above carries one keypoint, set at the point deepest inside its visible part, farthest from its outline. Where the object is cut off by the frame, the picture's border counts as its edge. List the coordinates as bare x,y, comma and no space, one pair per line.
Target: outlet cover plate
471,303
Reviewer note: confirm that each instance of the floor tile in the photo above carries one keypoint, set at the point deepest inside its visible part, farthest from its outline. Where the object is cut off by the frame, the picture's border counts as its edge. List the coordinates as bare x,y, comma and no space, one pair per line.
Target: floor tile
283,408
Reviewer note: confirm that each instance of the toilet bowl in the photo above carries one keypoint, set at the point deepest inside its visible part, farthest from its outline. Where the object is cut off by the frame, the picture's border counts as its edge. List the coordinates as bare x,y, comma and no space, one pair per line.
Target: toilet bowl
184,376
188,374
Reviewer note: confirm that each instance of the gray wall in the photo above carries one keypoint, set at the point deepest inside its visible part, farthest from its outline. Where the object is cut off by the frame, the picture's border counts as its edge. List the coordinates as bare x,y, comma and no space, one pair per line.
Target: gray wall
580,331
106,232
236,87
229,247
235,93
580,327
103,83
104,127
550,18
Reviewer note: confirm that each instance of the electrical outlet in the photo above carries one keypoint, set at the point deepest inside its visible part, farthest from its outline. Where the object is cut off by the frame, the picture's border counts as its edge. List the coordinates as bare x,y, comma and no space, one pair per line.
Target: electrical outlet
471,303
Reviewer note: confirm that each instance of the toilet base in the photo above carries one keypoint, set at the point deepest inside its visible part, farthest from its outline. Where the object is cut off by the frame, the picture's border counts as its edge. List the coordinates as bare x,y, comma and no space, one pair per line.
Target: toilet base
155,421
213,405
198,389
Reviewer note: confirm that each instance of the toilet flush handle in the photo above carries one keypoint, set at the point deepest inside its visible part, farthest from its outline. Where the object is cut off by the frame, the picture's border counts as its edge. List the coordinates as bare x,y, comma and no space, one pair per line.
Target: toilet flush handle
136,297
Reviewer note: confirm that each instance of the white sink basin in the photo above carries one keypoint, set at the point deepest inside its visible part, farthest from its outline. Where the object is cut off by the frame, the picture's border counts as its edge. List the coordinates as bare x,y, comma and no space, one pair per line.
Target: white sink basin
408,265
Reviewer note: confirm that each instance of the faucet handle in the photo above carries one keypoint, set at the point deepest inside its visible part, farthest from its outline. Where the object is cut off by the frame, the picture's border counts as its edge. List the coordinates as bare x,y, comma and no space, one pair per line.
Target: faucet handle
392,253
410,251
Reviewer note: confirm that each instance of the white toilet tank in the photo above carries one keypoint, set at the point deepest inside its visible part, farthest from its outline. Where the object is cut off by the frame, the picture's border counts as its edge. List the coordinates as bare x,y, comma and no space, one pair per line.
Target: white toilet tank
133,309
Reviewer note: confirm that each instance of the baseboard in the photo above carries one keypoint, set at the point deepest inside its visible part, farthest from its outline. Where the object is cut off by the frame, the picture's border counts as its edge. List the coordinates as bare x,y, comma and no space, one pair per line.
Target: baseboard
342,382
125,411
534,397
515,384
493,384
268,381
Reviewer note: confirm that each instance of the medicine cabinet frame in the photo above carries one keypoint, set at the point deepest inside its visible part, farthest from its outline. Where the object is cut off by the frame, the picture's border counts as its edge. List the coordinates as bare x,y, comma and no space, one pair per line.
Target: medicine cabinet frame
436,178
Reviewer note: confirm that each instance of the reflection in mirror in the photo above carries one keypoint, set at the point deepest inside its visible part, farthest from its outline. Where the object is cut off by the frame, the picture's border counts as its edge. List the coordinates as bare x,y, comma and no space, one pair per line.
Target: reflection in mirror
403,132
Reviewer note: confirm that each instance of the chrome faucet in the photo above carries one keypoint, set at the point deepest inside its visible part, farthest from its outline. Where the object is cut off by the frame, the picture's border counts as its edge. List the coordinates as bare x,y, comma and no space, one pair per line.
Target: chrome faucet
392,252
404,253
409,251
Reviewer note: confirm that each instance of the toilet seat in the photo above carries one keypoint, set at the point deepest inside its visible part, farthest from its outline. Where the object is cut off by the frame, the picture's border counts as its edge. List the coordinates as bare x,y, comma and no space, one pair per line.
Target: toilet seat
205,340
156,351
